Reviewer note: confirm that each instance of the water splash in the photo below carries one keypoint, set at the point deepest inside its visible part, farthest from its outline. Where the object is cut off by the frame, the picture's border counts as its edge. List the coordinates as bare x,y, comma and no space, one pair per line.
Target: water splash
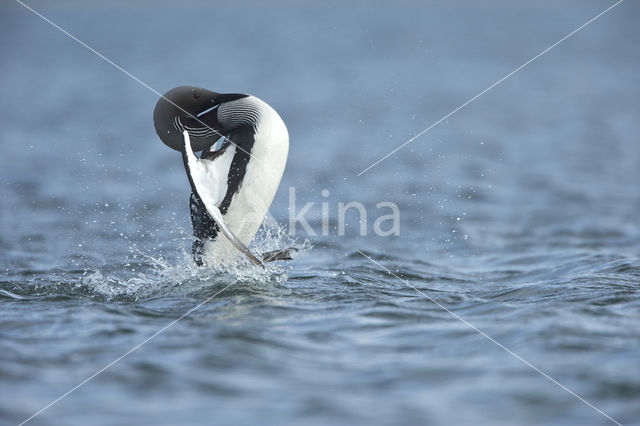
158,276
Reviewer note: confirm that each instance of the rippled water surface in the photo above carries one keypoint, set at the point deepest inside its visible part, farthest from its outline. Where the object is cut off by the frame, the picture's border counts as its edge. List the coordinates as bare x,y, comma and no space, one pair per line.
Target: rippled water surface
519,214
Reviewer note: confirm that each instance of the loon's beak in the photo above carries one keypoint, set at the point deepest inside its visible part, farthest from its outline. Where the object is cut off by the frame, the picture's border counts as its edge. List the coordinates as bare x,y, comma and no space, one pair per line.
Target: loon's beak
192,109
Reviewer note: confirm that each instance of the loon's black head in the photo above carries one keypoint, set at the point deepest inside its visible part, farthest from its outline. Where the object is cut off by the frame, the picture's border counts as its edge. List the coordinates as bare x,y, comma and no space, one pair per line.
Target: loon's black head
193,109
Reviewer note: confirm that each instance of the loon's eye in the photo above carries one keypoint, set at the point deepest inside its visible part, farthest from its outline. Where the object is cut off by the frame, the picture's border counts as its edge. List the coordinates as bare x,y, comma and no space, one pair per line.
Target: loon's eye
196,95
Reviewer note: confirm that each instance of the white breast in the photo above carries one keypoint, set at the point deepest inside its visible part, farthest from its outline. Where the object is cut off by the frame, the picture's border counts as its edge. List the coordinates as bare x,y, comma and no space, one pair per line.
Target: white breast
263,174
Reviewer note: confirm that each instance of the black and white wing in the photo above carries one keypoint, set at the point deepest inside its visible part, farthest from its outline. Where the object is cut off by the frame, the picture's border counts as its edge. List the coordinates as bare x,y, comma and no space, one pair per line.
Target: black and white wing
208,179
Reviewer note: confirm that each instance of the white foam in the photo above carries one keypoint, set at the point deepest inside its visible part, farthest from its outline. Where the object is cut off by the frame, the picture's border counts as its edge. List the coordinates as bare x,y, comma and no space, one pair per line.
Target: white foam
163,277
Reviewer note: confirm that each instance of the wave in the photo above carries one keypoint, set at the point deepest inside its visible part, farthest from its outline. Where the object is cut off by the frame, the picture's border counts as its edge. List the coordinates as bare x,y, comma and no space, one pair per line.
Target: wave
144,274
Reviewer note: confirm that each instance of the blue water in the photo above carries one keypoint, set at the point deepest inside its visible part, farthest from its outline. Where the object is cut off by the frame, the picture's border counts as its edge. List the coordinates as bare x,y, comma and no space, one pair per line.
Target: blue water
519,214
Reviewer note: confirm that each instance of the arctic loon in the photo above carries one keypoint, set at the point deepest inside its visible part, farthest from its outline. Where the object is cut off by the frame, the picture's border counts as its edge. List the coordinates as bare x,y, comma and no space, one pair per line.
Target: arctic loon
244,145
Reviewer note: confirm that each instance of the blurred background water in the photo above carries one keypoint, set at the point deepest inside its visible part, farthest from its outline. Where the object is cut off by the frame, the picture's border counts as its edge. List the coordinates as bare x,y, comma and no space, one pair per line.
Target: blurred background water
519,213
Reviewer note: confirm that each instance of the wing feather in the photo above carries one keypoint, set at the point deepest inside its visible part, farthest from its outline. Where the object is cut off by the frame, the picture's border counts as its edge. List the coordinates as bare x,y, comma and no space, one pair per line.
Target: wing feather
208,179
